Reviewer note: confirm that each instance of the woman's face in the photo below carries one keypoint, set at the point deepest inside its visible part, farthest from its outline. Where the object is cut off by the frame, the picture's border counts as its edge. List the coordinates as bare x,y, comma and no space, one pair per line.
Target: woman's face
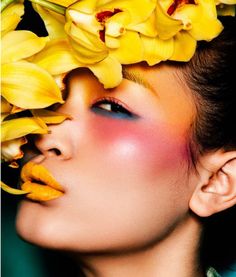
122,160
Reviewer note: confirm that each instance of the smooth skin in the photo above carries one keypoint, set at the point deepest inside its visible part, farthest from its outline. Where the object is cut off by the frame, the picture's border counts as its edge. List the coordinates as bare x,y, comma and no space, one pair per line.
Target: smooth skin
132,195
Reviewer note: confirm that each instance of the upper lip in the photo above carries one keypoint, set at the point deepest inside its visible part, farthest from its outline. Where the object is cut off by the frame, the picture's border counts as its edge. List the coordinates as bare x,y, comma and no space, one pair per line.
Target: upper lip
38,173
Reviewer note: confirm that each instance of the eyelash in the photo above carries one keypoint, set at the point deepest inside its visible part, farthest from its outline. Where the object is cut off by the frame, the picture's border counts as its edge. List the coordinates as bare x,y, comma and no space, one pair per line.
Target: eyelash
119,109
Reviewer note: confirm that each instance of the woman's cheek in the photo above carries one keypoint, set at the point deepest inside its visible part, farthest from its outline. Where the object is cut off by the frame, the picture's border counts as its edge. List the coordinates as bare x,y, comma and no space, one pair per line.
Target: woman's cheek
138,146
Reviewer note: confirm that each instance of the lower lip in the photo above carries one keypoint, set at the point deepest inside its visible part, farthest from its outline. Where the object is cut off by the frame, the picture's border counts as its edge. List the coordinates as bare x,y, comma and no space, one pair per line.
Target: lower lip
38,192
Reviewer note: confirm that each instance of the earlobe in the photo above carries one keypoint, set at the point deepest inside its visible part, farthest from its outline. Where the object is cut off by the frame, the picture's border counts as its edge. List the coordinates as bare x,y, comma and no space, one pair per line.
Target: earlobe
216,190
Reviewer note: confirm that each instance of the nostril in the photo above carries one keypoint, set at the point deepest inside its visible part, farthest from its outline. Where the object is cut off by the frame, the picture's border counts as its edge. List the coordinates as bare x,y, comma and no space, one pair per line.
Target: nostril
55,151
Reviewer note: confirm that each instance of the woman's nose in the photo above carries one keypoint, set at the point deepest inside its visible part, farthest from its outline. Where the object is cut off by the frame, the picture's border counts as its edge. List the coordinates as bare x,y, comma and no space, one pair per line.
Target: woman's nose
56,143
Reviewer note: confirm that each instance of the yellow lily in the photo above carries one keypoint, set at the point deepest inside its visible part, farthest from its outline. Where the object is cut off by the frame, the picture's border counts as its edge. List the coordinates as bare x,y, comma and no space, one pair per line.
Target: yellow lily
104,31
24,85
93,25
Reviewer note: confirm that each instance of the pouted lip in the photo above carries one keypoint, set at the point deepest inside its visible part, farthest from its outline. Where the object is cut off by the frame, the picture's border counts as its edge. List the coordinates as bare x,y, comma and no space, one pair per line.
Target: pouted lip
37,173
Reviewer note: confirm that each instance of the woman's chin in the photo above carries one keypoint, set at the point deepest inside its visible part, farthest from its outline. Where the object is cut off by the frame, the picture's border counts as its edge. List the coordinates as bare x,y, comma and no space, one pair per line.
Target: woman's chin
33,227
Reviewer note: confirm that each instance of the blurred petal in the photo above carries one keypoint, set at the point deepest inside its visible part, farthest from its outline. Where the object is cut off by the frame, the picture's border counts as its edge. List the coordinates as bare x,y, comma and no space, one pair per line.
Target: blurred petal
10,150
50,117
12,190
28,86
184,47
53,22
108,72
127,53
10,17
156,50
19,127
56,58
18,45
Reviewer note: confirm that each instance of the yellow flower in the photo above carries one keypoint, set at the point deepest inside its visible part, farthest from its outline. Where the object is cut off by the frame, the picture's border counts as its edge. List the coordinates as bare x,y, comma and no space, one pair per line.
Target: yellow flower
24,85
102,35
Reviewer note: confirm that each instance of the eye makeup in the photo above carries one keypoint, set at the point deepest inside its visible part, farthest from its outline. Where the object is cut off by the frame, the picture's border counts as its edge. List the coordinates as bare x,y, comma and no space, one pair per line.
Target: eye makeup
112,107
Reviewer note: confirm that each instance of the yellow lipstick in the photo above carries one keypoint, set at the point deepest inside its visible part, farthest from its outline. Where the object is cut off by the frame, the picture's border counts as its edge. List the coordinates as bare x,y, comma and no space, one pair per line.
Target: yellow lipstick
39,183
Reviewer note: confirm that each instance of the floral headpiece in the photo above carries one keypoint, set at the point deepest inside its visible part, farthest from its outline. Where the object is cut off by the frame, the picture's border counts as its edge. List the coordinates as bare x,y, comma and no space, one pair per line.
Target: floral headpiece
101,35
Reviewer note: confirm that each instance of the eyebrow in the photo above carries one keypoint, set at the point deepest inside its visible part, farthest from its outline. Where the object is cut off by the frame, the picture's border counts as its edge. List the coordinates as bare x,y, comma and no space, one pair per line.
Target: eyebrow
136,77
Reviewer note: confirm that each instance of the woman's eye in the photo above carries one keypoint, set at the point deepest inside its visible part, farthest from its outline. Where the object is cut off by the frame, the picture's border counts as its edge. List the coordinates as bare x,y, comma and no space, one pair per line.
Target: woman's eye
112,108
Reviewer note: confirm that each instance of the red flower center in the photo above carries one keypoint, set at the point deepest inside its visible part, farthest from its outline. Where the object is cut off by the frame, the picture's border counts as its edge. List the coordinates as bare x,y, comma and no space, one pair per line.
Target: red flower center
102,17
178,3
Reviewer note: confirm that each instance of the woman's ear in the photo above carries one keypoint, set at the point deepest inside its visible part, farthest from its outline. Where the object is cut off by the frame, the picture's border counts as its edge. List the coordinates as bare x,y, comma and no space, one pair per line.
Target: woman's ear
216,188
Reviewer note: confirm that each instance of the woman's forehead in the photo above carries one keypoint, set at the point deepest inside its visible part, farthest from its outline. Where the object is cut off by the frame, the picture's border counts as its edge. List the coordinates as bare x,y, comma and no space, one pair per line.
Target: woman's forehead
162,84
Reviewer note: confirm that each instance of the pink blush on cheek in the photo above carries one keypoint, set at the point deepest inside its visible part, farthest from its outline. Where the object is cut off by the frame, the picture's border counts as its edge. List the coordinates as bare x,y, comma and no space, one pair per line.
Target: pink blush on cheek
139,144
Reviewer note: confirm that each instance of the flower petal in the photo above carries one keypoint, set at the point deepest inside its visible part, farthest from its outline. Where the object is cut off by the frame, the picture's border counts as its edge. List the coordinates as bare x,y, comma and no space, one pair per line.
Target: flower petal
11,16
28,86
18,45
126,53
10,150
64,3
116,24
19,127
108,72
139,10
5,106
83,20
156,50
166,26
147,28
53,22
88,48
50,117
184,47
12,190
200,20
87,6
112,42
56,57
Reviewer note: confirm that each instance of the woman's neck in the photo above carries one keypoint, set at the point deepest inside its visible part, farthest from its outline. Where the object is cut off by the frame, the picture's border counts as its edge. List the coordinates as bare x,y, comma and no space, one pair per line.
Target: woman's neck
175,255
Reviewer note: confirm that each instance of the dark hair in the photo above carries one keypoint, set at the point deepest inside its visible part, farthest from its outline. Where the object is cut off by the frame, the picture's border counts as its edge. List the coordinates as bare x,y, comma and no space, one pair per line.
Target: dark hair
211,76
